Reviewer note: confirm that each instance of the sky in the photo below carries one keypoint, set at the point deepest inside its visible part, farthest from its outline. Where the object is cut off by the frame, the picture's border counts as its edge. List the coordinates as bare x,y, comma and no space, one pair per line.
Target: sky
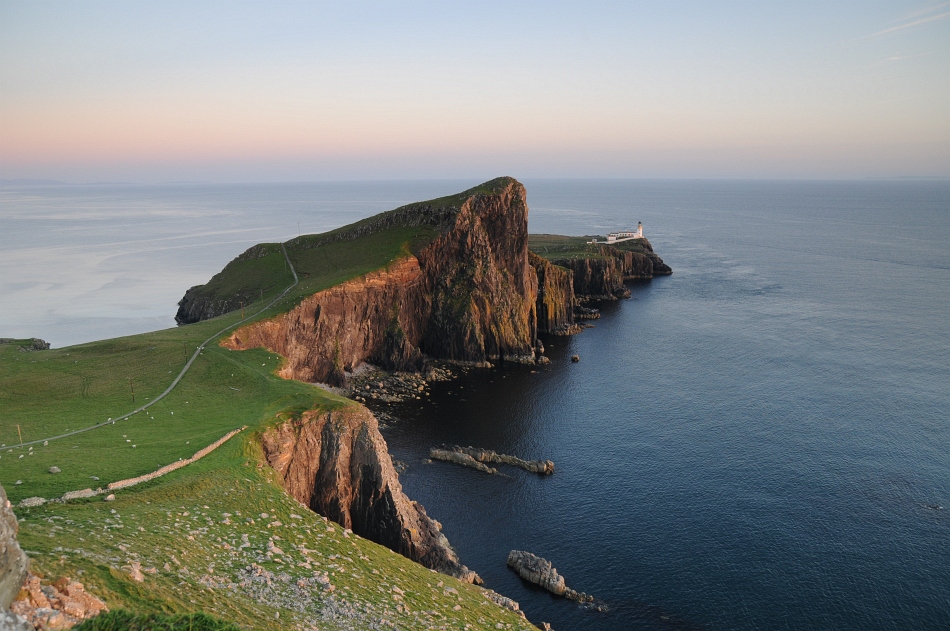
317,91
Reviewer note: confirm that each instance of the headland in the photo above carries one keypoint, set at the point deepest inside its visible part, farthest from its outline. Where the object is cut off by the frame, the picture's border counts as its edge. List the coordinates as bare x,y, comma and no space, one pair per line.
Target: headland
452,280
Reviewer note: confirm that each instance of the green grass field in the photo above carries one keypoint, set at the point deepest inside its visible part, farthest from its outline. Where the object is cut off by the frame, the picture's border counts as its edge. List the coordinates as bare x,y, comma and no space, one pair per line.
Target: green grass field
195,519
555,246
220,536
47,393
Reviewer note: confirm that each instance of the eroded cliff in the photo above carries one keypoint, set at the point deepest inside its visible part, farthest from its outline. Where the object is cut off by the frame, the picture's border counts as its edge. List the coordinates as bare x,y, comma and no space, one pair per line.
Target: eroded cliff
469,294
556,301
338,464
601,276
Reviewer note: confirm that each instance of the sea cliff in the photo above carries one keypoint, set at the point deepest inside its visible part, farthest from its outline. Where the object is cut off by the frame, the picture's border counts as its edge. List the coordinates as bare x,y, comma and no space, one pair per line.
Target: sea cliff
463,287
469,295
337,464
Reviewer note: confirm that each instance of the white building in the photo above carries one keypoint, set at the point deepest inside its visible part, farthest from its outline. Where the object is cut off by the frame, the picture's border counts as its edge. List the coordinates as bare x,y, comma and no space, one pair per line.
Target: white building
626,235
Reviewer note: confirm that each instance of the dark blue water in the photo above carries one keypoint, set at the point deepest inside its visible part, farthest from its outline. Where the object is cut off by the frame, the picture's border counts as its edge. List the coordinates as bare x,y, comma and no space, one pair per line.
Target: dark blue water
752,443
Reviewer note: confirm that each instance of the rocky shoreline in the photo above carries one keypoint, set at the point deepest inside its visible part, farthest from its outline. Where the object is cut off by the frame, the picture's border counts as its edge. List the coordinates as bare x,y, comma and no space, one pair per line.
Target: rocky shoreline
471,297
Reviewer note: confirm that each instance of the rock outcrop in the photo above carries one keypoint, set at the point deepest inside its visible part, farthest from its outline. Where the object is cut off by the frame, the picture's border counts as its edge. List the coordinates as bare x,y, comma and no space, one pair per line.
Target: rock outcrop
199,304
59,605
465,460
475,458
556,302
13,562
337,463
469,294
597,278
540,572
32,344
602,275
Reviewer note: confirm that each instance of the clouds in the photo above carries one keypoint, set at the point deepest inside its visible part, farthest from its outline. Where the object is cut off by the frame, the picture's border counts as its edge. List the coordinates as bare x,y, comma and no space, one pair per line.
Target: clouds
917,18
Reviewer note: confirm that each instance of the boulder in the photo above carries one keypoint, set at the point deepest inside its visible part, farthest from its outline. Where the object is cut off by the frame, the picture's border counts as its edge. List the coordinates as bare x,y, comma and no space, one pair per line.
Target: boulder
13,562
534,569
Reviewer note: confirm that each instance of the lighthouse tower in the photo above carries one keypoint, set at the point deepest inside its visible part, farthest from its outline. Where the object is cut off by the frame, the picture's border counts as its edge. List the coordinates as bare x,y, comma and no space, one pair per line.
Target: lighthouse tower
639,230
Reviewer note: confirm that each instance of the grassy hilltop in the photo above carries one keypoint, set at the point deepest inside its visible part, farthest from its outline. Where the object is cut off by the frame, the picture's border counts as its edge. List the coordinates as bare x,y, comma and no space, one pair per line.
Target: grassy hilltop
556,246
221,534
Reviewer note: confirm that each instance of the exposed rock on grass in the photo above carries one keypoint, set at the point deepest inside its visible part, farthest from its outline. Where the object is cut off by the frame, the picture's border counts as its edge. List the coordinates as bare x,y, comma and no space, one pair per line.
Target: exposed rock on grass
57,605
13,562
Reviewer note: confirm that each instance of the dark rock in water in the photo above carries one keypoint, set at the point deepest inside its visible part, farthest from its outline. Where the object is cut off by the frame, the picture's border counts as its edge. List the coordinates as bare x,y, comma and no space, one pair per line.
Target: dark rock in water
534,569
460,459
575,358
538,571
544,467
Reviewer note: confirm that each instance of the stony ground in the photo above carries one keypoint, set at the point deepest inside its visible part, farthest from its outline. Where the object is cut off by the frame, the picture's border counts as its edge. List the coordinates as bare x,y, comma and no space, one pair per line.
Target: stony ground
230,542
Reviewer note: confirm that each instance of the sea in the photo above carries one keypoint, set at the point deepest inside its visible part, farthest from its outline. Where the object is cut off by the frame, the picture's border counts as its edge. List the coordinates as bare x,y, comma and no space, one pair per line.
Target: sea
759,441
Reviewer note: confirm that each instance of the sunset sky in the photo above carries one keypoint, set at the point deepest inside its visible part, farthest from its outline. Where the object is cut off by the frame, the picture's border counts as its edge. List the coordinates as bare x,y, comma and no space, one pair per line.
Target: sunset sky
165,91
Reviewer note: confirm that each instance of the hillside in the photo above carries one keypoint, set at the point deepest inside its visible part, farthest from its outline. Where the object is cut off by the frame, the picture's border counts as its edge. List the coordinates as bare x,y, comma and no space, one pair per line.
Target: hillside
196,537
243,533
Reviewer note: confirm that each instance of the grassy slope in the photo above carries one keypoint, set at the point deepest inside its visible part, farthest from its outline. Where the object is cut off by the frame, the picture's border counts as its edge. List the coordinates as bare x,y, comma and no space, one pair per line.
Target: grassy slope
326,259
194,519
50,392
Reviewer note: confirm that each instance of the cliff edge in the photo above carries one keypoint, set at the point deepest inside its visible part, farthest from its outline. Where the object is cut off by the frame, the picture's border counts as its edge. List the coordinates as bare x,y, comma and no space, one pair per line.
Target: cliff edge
337,463
468,294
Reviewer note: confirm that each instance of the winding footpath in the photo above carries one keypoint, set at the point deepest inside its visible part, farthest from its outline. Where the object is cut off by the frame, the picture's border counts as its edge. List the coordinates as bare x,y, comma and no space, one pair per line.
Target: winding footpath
183,370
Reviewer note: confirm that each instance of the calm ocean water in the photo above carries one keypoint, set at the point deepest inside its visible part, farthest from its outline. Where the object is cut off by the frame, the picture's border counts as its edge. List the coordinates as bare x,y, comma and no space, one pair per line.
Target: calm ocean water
756,442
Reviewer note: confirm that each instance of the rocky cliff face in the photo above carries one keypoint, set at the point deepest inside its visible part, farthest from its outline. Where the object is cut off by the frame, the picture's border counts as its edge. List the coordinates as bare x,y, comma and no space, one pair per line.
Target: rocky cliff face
338,464
555,304
482,288
659,267
603,278
197,304
470,294
597,279
13,562
369,318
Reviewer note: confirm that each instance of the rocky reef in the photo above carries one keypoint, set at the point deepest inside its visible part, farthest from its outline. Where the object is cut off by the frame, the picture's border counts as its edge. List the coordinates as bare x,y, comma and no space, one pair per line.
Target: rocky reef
338,464
540,572
475,458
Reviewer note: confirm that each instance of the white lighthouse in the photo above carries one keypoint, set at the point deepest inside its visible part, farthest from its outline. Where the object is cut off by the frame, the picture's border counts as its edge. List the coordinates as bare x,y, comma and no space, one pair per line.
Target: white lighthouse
624,235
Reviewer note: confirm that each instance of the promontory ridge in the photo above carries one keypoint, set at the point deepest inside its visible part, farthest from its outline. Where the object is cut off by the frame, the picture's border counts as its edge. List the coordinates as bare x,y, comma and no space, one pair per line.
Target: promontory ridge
274,526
